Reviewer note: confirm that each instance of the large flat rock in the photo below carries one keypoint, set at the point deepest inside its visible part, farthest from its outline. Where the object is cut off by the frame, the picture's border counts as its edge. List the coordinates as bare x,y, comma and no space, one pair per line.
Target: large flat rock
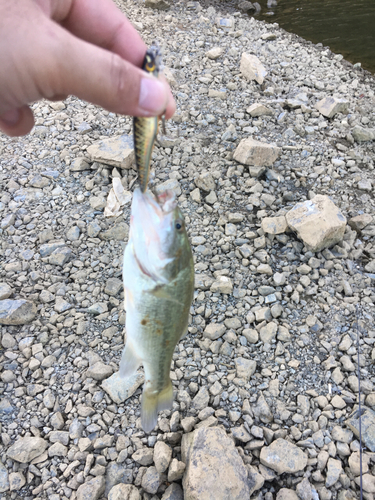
17,312
116,151
214,468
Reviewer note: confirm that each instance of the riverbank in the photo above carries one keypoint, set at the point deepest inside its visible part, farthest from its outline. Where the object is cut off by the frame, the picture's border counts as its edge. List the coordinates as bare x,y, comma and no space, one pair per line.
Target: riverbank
268,368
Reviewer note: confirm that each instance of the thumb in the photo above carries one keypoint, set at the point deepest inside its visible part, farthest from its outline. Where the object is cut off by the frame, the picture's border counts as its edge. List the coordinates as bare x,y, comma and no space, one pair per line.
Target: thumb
104,78
17,121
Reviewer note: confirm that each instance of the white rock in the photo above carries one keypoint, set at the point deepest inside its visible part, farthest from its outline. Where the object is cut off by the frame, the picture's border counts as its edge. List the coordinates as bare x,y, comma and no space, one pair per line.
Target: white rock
329,106
317,222
214,53
252,68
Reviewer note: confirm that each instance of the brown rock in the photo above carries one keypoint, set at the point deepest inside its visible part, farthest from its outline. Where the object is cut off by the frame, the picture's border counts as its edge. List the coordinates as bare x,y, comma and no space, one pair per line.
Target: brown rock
214,469
257,153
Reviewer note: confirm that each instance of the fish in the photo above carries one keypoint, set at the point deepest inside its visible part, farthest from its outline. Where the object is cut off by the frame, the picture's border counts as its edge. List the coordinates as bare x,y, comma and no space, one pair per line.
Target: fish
158,275
145,129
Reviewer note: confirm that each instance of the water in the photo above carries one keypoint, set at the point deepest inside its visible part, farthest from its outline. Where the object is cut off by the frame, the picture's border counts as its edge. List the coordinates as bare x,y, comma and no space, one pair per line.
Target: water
346,26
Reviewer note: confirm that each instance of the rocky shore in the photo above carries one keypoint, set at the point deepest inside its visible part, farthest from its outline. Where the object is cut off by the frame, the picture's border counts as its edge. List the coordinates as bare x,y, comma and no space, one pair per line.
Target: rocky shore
266,389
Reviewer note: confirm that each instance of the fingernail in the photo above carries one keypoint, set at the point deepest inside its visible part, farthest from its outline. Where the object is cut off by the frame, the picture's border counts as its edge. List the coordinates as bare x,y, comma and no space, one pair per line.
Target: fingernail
11,117
152,96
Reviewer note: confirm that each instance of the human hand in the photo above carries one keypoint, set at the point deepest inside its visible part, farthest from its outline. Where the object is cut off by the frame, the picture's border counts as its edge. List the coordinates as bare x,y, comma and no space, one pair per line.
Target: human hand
88,48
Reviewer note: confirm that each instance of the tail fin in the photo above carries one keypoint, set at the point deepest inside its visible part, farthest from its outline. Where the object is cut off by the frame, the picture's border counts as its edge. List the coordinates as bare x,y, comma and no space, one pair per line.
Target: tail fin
129,361
153,403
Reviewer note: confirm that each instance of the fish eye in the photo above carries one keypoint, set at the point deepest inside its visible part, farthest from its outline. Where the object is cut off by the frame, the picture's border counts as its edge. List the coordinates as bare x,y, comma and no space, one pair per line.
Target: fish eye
179,225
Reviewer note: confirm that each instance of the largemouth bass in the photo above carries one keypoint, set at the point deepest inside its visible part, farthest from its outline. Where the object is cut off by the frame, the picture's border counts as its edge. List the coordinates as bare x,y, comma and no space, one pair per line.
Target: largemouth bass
145,129
158,277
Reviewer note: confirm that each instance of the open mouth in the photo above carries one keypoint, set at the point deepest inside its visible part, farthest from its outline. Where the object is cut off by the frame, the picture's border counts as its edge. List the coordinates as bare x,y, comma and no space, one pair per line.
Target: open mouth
167,201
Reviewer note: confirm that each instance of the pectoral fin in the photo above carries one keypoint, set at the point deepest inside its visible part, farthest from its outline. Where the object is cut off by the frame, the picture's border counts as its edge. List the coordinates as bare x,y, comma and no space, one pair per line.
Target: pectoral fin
129,361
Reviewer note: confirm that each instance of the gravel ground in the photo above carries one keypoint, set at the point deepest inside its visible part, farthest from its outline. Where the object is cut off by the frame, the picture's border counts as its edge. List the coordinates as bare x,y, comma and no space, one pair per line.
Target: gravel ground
271,355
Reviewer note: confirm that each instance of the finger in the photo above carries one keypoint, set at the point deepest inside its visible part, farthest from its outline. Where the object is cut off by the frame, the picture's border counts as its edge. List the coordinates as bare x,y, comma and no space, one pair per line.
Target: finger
16,122
76,67
100,22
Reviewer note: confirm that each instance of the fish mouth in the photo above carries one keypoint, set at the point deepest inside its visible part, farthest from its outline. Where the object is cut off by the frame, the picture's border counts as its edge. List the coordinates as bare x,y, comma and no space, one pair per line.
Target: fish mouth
166,201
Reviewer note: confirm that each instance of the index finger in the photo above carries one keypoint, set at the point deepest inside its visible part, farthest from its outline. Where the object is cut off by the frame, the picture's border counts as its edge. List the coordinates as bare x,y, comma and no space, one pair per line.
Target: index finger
101,23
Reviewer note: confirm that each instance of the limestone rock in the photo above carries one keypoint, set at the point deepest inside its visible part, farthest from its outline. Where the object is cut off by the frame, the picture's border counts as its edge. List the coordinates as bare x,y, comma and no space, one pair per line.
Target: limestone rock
115,151
170,185
360,221
367,426
258,109
151,480
5,291
162,456
255,479
214,53
329,106
99,371
262,411
245,368
26,449
195,195
286,494
176,470
17,312
201,399
144,456
257,153
4,478
222,285
80,164
354,463
92,489
205,182
334,469
118,232
317,222
213,331
283,456
368,481
304,490
60,256
361,134
113,286
124,492
274,225
16,481
116,474
173,492
120,389
214,469
157,4
252,68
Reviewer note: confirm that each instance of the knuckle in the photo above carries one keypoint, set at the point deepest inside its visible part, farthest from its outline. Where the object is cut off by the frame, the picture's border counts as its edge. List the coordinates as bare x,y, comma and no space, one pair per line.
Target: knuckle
118,76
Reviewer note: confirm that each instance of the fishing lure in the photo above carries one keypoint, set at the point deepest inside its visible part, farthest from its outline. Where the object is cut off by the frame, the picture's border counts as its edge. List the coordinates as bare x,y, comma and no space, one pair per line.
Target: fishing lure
146,129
